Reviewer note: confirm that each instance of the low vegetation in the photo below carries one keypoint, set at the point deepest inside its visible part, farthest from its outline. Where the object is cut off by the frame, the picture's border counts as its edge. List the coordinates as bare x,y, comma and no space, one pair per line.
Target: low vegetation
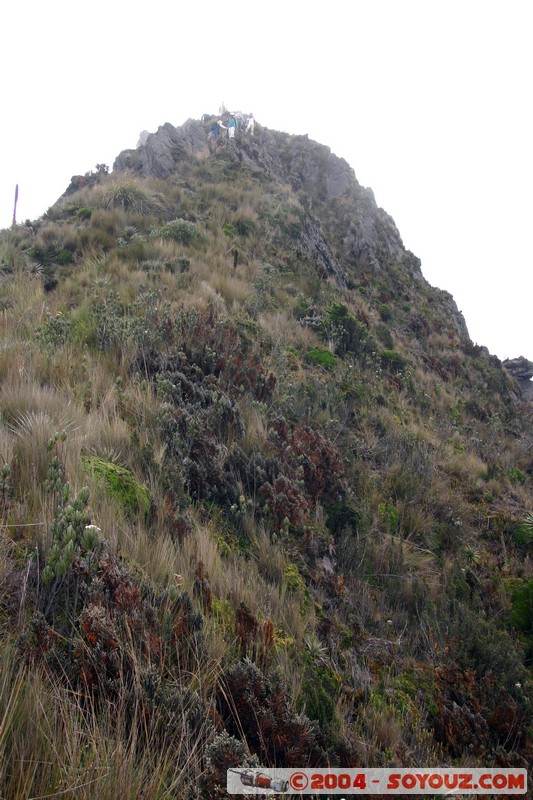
246,515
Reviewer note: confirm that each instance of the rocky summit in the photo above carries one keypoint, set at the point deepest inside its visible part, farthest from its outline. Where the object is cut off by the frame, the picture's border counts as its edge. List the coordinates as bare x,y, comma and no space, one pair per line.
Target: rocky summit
263,502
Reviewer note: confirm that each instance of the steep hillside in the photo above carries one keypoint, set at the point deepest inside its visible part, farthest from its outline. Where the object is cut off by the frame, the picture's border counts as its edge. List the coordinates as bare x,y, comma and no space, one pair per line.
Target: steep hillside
262,499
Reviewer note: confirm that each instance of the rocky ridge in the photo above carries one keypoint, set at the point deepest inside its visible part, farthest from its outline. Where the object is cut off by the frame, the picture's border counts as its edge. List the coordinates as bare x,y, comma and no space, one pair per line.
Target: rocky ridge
367,239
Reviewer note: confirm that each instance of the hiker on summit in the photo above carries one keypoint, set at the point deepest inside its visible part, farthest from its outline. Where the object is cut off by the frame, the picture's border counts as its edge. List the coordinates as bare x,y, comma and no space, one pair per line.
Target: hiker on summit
250,125
214,135
232,126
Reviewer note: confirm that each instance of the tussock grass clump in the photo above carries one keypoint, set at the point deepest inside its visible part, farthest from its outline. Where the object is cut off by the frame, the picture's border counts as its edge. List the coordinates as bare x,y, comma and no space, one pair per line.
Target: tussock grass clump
132,197
281,328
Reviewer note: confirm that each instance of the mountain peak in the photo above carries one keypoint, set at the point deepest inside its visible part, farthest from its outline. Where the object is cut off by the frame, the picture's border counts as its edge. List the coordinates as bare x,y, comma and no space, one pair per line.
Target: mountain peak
370,238
301,496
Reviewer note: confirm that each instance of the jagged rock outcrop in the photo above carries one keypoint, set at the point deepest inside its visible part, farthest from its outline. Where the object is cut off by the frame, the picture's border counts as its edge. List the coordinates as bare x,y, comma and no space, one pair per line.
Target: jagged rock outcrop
446,301
522,371
143,138
313,245
372,239
159,153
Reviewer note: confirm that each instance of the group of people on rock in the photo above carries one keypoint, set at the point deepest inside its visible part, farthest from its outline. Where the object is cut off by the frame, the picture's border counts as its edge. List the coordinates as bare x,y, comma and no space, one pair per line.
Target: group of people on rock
229,122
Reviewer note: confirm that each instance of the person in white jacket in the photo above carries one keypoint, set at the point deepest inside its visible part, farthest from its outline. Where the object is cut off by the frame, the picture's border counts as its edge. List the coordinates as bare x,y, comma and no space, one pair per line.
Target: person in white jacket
232,126
250,125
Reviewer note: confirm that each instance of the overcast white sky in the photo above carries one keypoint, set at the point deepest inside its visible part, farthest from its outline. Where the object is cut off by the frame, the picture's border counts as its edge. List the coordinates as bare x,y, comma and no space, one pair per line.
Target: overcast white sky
428,100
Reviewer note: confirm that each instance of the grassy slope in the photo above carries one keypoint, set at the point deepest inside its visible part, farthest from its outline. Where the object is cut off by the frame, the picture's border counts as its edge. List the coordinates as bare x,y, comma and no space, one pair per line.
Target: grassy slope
339,487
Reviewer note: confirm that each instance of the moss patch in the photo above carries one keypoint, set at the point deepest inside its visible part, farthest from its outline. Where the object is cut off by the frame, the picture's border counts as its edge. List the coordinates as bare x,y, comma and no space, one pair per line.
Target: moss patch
119,483
319,693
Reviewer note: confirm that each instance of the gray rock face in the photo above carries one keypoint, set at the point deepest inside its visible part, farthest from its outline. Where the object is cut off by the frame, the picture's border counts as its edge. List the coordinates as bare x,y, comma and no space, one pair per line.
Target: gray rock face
520,368
372,240
159,153
315,169
522,371
312,245
143,137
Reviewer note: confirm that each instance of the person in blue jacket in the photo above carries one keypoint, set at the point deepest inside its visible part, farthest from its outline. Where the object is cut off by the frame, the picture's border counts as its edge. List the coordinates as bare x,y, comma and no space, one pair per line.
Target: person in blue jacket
214,134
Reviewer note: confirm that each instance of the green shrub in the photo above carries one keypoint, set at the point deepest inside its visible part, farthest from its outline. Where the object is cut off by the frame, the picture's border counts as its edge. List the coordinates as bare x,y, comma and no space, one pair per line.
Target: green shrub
179,230
516,475
55,332
64,257
385,312
393,360
293,579
385,336
479,644
71,532
345,330
389,515
244,227
229,230
301,309
321,357
522,605
53,253
523,534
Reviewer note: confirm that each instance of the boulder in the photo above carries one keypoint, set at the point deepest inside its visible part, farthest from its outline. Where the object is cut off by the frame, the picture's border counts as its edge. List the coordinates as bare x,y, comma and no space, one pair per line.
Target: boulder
520,368
522,371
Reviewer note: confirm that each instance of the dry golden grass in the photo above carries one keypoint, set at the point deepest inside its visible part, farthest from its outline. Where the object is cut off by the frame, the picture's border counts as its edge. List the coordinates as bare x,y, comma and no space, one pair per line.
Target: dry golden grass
26,396
12,255
28,305
166,250
231,577
235,291
255,426
286,331
56,232
108,436
32,414
462,463
203,296
50,746
271,561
